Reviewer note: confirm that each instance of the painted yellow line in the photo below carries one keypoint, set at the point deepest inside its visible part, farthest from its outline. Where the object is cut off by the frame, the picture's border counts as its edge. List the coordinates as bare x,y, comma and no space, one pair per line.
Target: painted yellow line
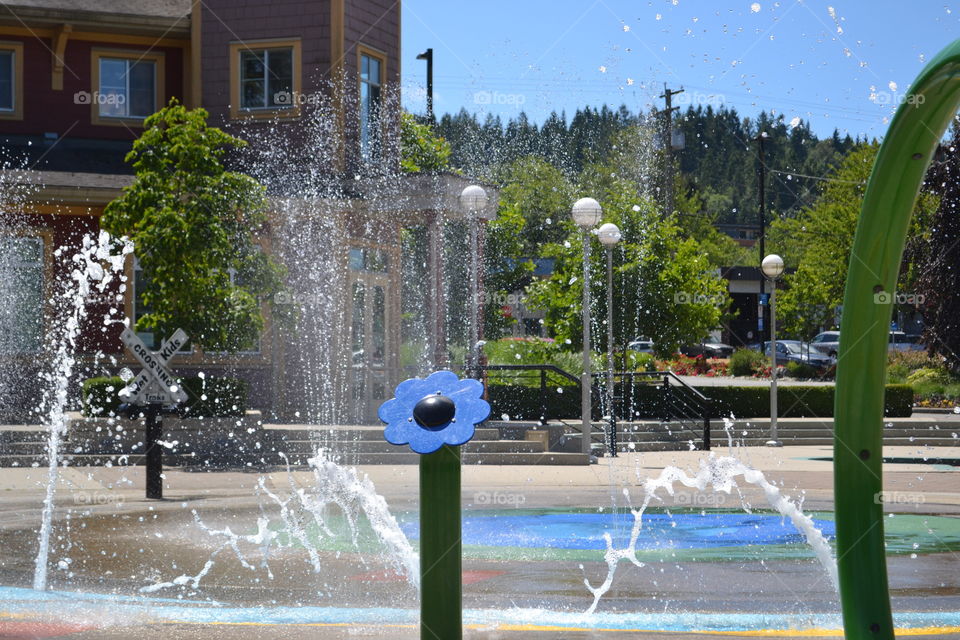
755,633
758,633
830,633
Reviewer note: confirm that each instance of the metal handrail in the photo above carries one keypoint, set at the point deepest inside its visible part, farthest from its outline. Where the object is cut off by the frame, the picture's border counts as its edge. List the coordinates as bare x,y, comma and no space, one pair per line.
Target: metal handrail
681,401
531,367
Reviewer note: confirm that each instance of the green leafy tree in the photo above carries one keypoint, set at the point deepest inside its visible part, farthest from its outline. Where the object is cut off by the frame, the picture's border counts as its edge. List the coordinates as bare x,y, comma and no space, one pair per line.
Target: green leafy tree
534,198
194,227
664,286
420,148
819,241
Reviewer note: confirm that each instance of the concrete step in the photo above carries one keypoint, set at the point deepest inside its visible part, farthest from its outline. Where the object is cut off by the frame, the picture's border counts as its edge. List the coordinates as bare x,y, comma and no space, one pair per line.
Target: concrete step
248,449
370,446
12,436
276,460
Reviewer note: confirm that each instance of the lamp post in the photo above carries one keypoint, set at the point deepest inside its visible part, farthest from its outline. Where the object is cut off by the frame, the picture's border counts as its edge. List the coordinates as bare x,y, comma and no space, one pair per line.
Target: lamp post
428,56
586,213
609,236
772,267
473,200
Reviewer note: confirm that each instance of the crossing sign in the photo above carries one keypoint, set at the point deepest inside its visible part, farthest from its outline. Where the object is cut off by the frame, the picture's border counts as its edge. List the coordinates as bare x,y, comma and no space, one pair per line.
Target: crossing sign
155,384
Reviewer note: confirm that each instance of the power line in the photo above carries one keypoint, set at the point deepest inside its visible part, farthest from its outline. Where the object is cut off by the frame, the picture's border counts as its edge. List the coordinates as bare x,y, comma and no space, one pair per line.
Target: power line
821,178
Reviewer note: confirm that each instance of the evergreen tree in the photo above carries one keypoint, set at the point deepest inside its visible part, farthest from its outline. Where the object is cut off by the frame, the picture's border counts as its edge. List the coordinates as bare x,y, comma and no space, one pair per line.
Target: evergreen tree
939,279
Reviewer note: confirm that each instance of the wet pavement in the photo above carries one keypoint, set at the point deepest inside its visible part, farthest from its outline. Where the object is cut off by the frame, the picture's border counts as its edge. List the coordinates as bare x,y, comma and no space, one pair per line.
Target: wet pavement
520,580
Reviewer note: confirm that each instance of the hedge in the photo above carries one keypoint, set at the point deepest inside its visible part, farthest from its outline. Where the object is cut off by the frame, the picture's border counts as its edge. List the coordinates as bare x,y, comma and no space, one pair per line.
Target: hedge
794,401
224,396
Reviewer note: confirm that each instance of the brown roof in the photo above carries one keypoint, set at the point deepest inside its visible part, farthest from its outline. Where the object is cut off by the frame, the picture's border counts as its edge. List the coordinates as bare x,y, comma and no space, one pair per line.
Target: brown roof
153,8
69,179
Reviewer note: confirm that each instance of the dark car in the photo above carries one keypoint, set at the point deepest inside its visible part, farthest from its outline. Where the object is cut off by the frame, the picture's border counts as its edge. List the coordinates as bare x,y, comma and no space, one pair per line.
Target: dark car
802,352
707,350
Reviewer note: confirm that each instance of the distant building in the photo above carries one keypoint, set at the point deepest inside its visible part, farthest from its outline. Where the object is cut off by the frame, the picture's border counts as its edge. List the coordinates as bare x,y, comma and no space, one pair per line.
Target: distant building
746,235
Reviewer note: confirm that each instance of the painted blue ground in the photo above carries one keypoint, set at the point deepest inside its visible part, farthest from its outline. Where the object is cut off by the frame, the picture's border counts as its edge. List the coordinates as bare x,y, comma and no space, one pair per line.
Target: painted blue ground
573,530
120,610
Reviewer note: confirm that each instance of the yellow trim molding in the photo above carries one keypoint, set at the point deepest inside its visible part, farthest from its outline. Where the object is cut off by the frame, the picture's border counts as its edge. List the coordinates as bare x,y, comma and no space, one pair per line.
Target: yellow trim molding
291,111
17,112
159,95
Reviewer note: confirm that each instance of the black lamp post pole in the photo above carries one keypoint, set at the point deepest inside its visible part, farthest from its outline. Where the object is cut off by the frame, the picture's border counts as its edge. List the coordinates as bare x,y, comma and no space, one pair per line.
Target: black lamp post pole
428,56
154,451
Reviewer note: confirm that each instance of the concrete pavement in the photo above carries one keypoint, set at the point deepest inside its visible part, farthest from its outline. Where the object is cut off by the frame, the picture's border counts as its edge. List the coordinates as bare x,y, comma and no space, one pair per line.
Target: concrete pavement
117,541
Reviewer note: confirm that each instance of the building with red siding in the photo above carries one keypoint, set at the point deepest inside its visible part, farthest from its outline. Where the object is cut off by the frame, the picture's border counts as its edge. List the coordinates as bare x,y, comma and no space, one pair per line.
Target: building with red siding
313,86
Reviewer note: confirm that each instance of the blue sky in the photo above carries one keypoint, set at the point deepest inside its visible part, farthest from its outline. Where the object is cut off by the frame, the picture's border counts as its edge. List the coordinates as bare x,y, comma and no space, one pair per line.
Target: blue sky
836,64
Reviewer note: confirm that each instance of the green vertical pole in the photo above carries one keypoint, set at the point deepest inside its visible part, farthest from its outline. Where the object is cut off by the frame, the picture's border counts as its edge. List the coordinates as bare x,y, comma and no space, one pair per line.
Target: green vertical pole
441,588
907,149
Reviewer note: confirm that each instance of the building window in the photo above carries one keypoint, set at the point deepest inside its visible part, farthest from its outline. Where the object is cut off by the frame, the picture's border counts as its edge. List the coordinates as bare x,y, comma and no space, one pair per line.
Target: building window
372,260
7,79
21,264
11,80
265,79
127,86
371,104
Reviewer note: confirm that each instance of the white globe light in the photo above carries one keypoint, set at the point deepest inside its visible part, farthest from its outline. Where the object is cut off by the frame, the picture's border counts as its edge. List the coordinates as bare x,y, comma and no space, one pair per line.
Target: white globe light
772,266
586,212
473,198
608,234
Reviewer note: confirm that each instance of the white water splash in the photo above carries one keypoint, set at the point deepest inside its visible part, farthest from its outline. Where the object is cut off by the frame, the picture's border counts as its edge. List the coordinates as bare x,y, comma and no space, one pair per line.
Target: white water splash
718,474
87,276
334,486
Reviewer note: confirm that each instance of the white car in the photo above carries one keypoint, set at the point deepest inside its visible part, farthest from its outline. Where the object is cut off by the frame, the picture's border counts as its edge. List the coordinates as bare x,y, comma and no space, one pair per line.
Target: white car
828,342
641,345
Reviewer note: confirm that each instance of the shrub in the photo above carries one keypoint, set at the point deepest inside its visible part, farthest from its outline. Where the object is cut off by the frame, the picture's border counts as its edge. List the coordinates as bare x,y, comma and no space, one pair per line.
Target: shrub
634,361
928,375
801,370
207,397
528,351
901,364
798,401
522,402
746,362
795,401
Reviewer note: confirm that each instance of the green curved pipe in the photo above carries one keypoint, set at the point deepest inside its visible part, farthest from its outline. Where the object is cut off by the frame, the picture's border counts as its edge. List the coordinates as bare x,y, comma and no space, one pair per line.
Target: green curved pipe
911,140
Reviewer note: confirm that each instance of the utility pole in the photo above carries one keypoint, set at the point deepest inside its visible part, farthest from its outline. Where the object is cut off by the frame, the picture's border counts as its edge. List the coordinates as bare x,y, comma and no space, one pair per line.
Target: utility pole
762,224
428,56
667,113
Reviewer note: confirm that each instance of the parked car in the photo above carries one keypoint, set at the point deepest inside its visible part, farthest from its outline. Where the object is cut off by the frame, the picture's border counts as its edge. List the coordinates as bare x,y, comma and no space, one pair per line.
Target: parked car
641,345
827,343
900,341
707,350
802,352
